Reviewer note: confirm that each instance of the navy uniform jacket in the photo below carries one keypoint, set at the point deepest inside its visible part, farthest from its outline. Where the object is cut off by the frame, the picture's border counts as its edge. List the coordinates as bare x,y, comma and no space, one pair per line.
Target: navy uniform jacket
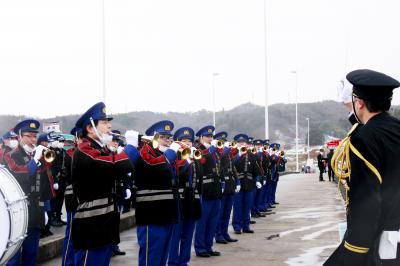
211,177
189,177
24,169
247,171
229,173
374,199
5,149
157,196
71,202
96,221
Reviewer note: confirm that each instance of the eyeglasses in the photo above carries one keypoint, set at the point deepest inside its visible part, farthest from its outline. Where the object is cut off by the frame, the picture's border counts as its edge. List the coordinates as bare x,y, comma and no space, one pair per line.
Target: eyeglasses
165,137
29,136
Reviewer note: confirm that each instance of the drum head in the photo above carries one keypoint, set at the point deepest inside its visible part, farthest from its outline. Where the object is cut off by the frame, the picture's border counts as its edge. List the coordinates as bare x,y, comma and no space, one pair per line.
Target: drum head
4,225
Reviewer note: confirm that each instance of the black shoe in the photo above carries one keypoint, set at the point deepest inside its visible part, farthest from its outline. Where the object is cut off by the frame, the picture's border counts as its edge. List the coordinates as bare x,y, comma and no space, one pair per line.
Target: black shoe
231,240
260,214
255,215
238,232
214,253
272,206
252,222
203,255
268,210
248,231
56,223
221,241
275,203
118,252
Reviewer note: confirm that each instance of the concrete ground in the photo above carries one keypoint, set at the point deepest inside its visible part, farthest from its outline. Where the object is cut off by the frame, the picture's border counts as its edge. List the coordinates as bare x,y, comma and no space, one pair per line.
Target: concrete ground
302,231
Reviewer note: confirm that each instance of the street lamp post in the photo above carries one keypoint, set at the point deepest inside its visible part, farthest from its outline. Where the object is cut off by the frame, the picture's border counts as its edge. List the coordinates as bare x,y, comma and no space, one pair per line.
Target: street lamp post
213,85
103,47
308,138
266,72
297,127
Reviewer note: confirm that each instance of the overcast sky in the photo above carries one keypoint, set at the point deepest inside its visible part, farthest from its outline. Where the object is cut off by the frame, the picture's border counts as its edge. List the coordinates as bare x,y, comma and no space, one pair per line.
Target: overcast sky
160,55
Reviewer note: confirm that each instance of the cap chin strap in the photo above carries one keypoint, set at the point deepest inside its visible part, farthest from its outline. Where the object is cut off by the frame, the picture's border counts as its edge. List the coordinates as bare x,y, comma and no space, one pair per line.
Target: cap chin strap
354,110
96,132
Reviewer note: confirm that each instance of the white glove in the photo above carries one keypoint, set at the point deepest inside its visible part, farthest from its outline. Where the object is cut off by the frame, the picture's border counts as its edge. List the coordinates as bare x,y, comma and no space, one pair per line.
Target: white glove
345,90
214,142
46,218
189,160
55,186
237,188
128,193
263,183
132,137
120,149
227,144
175,146
258,184
39,153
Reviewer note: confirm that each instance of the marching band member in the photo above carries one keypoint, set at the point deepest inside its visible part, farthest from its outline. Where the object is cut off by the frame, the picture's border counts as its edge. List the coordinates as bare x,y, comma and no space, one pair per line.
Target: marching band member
274,175
211,195
10,141
59,172
256,212
229,177
247,173
47,191
95,226
23,163
189,179
267,177
71,202
157,196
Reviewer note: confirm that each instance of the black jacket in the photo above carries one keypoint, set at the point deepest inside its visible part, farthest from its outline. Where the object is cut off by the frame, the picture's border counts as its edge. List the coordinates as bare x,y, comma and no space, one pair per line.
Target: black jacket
18,162
96,221
157,197
374,198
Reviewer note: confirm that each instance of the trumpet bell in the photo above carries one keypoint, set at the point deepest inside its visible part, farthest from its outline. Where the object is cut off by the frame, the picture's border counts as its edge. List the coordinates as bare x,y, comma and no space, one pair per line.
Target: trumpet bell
197,154
243,150
233,144
220,144
185,154
49,155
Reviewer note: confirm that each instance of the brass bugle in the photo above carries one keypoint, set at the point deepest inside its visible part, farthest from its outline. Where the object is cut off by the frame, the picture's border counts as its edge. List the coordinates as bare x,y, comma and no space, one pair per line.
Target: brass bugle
265,148
253,150
220,144
154,140
49,155
233,144
243,150
117,135
197,154
185,153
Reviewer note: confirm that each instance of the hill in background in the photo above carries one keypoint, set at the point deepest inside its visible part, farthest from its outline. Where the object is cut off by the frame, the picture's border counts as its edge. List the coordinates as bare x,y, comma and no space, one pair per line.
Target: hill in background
327,118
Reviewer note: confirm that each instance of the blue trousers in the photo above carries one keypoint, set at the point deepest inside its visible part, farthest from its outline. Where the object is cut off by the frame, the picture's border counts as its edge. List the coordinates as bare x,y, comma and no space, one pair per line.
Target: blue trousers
256,201
206,226
181,243
27,254
154,243
68,249
93,257
241,210
265,198
262,204
224,216
272,192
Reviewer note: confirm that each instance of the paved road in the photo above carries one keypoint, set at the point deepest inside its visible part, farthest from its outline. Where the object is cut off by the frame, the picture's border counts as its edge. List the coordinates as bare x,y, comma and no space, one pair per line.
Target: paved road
303,230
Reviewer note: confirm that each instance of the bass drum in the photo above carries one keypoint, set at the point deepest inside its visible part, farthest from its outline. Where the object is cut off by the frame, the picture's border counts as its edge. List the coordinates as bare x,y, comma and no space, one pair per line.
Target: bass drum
13,216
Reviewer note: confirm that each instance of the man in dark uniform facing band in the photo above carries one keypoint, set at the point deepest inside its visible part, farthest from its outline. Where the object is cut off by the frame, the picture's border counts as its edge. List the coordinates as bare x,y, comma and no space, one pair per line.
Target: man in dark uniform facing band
373,152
